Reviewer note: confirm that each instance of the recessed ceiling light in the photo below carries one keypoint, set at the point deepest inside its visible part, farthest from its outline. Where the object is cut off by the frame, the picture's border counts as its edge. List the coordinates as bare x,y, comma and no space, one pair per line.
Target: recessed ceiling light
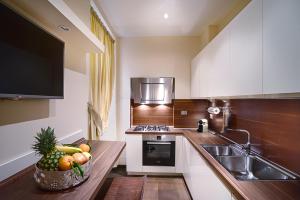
166,16
63,28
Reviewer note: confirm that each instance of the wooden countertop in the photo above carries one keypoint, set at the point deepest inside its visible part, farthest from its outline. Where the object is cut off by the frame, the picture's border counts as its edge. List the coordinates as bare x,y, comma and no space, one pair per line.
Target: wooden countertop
22,185
252,190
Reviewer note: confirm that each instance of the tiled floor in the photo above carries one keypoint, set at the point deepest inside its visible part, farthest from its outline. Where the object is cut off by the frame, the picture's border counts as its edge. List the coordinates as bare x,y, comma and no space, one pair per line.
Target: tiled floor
156,188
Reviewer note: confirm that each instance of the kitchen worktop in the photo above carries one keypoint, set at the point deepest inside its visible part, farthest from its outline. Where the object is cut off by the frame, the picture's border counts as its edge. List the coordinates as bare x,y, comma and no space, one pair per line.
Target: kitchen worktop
172,130
22,185
256,190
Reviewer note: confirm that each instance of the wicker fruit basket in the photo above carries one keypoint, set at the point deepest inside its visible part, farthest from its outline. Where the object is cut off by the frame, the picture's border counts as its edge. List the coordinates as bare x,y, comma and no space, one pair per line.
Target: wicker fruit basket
60,180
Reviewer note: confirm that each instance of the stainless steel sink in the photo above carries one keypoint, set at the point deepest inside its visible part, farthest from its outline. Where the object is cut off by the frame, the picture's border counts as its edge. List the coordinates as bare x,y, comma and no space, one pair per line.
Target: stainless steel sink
246,167
223,150
253,168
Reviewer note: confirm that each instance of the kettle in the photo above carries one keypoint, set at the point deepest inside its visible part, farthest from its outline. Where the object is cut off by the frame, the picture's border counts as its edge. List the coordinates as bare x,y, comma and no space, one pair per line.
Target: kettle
202,125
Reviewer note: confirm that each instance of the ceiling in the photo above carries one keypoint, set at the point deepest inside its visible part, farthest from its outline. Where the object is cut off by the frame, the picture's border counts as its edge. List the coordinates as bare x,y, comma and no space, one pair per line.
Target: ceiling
138,18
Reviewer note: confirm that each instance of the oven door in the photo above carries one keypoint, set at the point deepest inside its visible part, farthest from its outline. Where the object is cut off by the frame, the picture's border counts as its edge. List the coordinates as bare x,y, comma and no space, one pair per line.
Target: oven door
159,153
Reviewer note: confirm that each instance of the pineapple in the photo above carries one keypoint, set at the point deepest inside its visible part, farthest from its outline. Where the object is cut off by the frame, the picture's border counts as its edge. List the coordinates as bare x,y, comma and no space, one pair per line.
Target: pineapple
45,146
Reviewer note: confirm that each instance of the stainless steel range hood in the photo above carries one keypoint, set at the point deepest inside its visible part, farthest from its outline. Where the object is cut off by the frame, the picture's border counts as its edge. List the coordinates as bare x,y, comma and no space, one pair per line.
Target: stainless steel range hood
153,90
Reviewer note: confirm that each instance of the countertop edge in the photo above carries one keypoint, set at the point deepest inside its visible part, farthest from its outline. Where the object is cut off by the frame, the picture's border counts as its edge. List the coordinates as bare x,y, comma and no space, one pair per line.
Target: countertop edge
105,155
110,168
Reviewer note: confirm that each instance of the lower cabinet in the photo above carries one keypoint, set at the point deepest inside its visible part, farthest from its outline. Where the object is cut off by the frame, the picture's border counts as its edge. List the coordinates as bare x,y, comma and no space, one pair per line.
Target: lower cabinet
134,153
178,154
202,182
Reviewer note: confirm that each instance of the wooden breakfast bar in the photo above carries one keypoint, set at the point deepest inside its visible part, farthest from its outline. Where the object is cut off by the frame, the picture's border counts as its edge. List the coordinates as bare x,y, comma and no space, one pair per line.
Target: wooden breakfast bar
22,185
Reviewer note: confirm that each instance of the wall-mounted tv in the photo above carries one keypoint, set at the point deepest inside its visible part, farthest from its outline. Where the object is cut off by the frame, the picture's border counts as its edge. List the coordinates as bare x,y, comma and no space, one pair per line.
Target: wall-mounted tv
31,59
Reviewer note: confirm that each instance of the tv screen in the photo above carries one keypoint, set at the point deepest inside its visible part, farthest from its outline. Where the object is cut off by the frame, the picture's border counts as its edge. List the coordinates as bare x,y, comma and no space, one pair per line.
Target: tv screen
31,59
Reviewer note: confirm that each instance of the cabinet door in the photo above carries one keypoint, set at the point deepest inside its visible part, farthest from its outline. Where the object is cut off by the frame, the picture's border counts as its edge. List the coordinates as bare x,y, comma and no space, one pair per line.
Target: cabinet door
205,183
245,69
281,46
195,78
134,150
196,175
200,75
179,155
186,161
219,83
203,73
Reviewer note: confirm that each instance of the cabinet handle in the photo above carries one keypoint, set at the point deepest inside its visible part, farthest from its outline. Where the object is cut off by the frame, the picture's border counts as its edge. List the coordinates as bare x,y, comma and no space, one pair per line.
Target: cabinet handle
158,142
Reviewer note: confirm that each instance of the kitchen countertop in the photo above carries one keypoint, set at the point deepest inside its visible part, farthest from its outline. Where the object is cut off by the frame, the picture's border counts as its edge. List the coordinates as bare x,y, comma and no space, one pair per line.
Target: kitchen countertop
173,131
22,185
254,190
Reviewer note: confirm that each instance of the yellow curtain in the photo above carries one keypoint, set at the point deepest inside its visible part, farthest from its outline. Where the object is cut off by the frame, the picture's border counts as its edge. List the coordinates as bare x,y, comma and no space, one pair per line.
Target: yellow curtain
102,76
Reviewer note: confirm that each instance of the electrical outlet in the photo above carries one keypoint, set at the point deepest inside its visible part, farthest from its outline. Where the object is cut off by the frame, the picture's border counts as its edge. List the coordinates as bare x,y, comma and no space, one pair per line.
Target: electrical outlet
183,112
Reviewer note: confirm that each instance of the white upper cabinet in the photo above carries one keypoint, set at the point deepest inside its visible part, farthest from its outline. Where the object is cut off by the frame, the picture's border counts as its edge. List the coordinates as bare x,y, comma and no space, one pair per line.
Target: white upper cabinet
258,52
200,73
219,70
195,77
244,74
204,63
281,46
231,64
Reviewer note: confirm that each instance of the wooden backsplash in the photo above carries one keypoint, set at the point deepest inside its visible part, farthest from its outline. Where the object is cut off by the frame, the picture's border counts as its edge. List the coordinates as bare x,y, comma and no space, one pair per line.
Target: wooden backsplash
274,126
170,114
196,109
151,114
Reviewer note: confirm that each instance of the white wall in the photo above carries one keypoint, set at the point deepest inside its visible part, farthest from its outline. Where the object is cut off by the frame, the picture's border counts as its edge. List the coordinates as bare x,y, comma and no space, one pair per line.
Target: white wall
68,116
152,57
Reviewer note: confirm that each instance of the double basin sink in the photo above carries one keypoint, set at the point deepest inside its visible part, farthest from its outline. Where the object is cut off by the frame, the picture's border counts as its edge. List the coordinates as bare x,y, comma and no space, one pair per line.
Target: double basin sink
245,166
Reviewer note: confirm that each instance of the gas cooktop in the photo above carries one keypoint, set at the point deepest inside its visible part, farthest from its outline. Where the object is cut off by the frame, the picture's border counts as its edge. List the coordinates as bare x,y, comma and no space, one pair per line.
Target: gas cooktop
151,128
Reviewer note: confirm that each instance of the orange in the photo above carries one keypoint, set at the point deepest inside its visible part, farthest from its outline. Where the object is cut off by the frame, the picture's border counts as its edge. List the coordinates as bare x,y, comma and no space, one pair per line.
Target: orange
65,163
85,148
80,158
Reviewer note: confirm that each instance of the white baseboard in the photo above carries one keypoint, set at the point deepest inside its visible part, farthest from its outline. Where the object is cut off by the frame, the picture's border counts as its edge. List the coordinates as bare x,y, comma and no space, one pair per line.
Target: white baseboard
19,163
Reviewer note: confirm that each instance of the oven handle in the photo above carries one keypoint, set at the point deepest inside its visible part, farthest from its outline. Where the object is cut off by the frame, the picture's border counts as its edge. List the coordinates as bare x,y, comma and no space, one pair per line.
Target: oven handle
158,142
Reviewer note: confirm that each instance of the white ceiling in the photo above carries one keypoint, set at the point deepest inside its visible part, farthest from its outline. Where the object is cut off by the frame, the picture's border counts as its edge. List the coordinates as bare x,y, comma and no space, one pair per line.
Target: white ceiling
137,18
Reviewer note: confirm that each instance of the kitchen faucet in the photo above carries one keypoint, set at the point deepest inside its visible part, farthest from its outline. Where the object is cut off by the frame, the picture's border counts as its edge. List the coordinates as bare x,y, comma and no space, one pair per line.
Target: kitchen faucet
226,119
246,146
214,110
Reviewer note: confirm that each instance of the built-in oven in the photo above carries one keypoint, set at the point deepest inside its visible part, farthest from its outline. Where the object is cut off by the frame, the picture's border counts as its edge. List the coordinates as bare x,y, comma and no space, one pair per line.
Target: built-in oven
159,150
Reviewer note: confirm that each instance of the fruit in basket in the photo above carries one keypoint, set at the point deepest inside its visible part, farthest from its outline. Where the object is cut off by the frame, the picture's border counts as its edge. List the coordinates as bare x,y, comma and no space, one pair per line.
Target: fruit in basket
65,162
44,145
80,158
88,155
50,161
69,149
85,147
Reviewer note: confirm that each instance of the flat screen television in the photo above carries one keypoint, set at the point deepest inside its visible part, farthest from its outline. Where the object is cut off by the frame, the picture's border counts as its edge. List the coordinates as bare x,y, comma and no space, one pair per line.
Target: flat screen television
31,59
